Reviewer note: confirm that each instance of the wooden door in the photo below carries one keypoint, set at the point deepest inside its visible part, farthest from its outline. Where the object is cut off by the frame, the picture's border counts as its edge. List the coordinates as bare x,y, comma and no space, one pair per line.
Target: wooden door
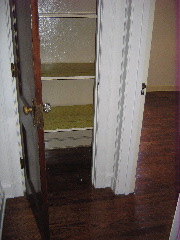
28,74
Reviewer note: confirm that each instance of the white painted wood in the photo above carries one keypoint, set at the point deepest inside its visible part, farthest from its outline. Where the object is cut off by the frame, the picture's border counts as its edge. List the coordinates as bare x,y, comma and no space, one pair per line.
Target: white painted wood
96,83
123,47
68,139
68,15
139,100
110,53
175,230
68,130
2,208
11,176
67,78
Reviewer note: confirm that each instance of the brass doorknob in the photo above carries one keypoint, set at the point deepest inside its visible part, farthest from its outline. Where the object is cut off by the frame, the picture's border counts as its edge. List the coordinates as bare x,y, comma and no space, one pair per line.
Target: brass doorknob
27,110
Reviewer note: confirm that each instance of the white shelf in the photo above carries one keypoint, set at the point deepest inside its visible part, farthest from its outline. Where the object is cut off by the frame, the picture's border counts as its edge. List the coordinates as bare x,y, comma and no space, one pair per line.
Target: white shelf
67,78
68,130
69,15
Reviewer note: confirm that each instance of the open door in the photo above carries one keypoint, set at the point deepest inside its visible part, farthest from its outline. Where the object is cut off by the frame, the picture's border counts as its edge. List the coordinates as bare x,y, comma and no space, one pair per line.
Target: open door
27,71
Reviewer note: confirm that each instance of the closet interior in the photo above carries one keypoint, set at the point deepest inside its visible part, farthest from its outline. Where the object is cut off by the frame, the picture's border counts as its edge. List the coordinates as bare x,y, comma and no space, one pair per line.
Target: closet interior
67,46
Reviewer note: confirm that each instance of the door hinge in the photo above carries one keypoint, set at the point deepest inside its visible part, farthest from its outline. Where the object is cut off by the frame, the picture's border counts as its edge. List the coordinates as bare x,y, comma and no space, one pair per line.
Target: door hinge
143,87
22,162
14,70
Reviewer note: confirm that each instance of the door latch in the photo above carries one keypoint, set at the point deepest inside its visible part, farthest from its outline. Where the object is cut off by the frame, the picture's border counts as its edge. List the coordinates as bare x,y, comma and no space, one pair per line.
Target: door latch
143,87
37,113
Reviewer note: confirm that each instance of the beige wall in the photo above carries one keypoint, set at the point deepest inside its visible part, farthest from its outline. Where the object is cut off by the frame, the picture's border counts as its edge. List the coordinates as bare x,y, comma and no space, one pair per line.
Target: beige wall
162,61
68,92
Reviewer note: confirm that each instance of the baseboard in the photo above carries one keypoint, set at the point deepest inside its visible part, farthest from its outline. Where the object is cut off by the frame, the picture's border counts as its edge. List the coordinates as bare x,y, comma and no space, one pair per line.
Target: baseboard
153,88
13,190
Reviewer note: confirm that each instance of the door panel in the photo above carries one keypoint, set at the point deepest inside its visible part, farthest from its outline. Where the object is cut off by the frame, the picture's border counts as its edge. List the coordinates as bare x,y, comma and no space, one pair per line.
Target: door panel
24,43
28,74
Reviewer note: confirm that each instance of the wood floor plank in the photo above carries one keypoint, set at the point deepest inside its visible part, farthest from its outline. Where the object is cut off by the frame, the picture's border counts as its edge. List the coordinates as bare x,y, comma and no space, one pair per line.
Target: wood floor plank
78,211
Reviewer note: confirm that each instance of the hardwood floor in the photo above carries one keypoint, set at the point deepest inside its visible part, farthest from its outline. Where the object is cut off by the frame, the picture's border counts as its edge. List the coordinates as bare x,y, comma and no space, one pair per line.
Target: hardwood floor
77,211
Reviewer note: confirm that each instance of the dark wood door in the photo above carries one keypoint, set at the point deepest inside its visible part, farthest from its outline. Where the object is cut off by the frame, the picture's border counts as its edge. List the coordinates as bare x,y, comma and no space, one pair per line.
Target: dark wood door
28,74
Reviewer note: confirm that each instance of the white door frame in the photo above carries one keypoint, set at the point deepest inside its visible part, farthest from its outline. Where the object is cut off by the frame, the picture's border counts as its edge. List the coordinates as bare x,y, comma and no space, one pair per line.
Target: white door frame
11,175
123,51
175,230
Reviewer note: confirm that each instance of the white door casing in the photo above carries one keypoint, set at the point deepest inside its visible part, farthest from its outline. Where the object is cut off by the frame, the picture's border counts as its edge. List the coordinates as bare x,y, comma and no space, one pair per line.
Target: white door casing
139,100
175,230
11,175
123,52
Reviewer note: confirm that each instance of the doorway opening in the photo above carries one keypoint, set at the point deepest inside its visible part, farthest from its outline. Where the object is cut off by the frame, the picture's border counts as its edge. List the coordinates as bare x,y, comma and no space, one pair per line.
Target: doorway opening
159,127
67,39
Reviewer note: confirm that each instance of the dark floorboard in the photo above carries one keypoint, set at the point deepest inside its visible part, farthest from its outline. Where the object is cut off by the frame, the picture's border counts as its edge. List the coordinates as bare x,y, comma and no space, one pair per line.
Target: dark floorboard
77,211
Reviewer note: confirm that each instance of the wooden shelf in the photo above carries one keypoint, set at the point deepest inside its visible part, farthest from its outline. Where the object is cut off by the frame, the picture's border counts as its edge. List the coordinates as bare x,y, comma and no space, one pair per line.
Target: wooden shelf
77,117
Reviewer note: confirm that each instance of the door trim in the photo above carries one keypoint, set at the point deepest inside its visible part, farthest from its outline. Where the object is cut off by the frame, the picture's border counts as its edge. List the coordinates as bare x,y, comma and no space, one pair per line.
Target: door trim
12,175
121,67
38,96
